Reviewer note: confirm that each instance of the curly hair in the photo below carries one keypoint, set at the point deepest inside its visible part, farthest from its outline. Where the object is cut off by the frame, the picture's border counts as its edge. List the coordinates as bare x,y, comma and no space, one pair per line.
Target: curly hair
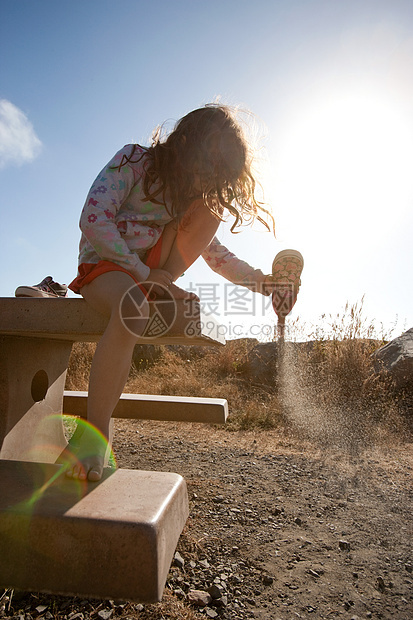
206,155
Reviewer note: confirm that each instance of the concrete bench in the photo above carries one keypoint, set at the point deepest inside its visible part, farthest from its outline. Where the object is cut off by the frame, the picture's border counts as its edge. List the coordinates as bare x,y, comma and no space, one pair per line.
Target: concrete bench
148,407
112,539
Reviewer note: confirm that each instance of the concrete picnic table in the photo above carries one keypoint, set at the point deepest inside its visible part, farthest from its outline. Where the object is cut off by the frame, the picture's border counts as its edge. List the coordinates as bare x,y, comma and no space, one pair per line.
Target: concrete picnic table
110,539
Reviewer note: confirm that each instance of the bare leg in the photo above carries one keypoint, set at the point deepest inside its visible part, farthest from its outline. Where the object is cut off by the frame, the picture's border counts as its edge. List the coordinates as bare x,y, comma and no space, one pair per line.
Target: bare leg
183,244
110,366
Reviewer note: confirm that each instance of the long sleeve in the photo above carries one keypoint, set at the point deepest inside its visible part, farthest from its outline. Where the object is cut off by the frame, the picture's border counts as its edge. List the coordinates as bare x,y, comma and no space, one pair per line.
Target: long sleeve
226,264
102,235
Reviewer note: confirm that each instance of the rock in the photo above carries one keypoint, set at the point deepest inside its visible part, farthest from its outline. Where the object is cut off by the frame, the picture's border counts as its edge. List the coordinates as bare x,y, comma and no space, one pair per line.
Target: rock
396,358
179,560
267,580
220,602
215,591
199,598
313,573
211,613
204,563
105,614
261,363
218,499
179,592
344,545
380,585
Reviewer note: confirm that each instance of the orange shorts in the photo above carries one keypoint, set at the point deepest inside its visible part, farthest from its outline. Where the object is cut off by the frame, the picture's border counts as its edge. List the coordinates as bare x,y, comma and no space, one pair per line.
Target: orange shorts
89,271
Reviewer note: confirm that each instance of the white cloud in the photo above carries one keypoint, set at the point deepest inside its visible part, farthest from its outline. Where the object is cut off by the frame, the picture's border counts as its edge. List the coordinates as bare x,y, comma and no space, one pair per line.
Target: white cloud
18,140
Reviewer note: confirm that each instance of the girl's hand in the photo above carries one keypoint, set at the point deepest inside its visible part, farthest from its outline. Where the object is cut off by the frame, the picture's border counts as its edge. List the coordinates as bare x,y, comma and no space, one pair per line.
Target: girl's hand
267,285
159,277
159,280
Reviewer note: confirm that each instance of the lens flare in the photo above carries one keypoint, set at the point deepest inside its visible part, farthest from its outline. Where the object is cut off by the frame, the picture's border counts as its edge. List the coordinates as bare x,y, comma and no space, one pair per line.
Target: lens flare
36,493
85,444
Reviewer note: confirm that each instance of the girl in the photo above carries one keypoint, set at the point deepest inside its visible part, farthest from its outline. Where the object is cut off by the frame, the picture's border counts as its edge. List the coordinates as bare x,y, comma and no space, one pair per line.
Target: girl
149,215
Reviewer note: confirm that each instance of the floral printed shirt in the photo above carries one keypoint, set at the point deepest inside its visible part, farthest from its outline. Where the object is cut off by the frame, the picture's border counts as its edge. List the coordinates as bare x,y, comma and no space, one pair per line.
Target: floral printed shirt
119,225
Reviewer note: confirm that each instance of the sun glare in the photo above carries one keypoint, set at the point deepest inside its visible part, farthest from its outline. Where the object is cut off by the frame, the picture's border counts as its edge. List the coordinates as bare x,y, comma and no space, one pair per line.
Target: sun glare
348,161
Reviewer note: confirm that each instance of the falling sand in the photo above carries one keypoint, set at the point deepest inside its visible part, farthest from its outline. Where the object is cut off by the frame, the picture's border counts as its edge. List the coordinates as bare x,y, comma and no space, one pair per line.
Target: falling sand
328,397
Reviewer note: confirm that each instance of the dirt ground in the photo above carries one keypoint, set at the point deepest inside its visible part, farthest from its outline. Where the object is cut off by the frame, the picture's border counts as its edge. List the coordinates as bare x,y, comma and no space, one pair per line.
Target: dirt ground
283,529
279,528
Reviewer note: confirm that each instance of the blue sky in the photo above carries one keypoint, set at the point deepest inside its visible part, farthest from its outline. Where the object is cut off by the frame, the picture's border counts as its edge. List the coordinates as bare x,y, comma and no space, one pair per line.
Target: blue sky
330,83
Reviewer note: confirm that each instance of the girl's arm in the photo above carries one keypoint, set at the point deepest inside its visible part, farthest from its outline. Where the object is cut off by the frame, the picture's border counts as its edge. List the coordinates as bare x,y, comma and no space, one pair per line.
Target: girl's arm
97,221
226,264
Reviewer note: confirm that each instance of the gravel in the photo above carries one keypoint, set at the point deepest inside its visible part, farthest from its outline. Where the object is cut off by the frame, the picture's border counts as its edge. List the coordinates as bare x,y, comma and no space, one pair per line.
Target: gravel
277,529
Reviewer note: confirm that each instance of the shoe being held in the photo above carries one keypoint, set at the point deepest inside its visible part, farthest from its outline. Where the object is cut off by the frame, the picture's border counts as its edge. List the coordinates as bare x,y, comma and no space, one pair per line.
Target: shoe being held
286,274
46,288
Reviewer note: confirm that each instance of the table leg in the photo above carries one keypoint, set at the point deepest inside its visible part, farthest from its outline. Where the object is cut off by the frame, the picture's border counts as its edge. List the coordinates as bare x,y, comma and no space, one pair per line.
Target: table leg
32,381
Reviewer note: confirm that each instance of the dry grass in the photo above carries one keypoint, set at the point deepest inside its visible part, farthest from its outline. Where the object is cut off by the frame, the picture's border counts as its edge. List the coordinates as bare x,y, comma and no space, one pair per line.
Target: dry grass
79,366
326,390
170,607
330,392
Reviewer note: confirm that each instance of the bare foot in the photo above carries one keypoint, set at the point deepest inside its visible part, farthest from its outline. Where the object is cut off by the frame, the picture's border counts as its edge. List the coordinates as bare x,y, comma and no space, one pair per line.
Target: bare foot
87,468
180,293
84,455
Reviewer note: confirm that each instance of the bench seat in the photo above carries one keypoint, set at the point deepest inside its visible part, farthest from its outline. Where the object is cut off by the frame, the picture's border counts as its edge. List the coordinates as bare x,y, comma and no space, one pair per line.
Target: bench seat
154,407
113,539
